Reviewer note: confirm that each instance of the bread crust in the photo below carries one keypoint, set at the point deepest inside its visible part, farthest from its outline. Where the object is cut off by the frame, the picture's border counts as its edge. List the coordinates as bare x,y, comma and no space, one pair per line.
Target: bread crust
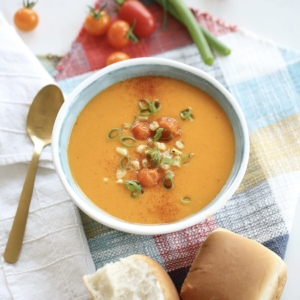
231,267
89,288
165,282
164,279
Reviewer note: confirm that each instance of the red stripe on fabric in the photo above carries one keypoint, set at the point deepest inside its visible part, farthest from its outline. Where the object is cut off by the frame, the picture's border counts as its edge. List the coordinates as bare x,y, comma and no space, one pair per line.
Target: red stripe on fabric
214,25
75,62
174,35
179,249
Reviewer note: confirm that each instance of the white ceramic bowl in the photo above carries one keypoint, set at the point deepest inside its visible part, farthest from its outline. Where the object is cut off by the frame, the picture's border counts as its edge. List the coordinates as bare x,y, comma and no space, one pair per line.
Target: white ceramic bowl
141,67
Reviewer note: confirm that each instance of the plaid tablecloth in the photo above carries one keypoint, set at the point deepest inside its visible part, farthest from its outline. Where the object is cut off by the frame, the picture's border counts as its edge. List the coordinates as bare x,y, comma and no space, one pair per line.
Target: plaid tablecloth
265,79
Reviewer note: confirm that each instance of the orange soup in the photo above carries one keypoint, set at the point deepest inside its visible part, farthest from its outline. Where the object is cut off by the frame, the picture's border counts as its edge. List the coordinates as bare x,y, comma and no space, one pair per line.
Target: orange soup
151,150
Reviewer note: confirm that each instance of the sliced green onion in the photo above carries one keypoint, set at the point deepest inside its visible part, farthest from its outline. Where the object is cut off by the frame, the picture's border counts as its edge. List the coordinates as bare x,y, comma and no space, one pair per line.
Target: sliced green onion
186,114
127,126
168,182
158,134
185,159
136,194
144,104
153,108
154,156
124,162
186,200
135,187
145,113
128,141
169,136
114,133
166,161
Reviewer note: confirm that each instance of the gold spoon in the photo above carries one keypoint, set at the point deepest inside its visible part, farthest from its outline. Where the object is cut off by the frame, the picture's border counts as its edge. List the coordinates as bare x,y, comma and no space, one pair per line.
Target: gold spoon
40,121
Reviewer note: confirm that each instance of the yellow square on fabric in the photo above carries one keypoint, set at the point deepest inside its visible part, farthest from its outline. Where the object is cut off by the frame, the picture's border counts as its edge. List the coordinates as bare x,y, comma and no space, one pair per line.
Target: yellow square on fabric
274,150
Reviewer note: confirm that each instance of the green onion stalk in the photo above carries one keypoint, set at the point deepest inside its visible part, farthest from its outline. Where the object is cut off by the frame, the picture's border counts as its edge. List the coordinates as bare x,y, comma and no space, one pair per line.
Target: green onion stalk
202,38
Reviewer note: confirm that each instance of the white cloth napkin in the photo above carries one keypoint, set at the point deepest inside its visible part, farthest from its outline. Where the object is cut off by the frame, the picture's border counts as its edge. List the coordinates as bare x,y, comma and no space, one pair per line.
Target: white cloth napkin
55,254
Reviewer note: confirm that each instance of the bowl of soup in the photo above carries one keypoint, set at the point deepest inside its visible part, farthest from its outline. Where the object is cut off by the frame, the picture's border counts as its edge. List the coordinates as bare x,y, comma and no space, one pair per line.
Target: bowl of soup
150,146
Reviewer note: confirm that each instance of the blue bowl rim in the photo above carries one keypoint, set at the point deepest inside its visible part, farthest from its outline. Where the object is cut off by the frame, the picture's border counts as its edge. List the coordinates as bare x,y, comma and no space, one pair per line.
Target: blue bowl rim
104,218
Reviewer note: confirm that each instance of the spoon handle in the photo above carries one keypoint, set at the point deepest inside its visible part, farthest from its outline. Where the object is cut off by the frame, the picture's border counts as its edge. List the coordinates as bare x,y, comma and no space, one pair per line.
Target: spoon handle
15,239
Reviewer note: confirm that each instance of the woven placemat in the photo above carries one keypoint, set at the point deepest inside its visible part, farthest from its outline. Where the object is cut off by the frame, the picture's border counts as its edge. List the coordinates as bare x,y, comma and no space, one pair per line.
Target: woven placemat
265,80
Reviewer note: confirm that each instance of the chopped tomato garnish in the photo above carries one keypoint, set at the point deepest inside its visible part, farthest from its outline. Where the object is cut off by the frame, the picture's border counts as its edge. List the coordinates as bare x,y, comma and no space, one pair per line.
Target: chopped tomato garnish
170,124
161,173
141,130
148,177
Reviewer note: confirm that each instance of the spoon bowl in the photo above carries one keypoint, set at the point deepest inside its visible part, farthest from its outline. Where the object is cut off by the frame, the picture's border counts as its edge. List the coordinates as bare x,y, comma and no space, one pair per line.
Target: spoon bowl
40,121
43,112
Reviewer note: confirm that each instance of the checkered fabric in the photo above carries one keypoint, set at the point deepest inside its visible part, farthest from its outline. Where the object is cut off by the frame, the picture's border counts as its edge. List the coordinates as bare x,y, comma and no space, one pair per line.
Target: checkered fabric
265,80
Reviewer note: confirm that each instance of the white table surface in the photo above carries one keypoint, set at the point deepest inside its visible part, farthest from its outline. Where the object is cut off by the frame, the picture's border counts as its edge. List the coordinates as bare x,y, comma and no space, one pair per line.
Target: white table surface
277,20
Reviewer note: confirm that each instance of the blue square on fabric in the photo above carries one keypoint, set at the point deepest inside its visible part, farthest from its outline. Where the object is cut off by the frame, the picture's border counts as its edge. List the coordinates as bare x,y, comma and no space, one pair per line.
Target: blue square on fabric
268,99
114,245
289,55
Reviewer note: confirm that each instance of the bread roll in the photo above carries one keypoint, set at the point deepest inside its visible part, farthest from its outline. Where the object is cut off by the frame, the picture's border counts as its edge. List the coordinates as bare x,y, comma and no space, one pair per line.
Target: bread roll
136,277
229,266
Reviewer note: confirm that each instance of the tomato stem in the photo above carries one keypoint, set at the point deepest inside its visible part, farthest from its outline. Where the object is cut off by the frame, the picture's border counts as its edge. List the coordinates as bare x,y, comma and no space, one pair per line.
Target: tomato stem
28,4
130,35
97,13
119,2
165,8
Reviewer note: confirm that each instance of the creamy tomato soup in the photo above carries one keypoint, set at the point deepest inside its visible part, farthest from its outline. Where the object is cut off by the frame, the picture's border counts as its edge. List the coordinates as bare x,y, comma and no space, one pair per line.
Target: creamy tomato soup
151,150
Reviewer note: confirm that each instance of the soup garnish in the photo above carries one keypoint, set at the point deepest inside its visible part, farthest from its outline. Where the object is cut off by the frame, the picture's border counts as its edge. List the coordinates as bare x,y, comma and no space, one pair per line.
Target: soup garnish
156,156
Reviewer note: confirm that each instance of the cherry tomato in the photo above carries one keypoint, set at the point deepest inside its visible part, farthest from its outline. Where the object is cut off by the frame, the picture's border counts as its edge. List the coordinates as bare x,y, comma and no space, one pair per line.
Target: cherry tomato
170,124
148,177
116,57
97,22
120,34
26,18
141,130
137,14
